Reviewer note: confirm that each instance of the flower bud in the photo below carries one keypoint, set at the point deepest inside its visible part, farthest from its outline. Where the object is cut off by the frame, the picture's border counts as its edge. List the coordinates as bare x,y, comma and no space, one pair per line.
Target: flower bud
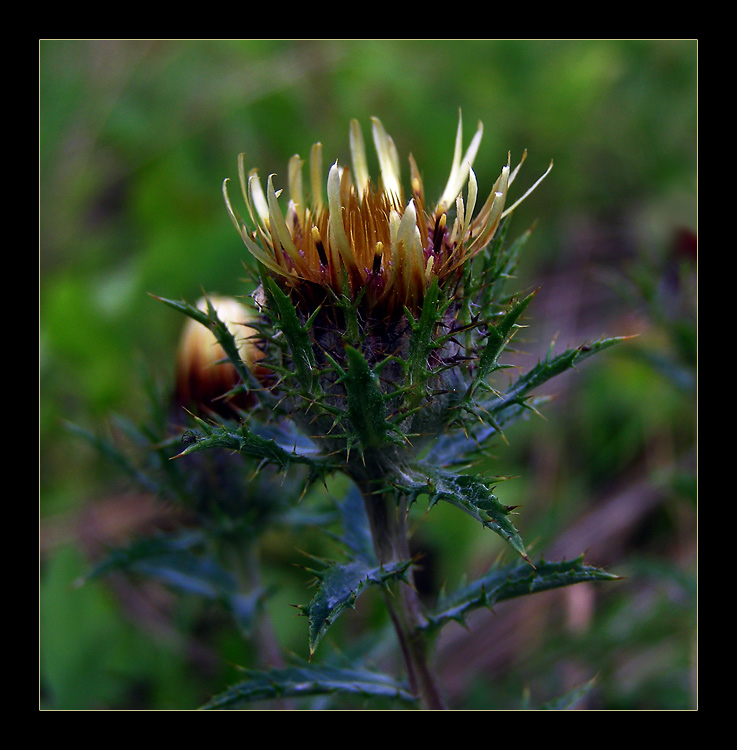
206,381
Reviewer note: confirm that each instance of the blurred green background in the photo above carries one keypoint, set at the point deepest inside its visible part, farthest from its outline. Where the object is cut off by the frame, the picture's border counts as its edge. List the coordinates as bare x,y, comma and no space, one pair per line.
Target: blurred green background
136,138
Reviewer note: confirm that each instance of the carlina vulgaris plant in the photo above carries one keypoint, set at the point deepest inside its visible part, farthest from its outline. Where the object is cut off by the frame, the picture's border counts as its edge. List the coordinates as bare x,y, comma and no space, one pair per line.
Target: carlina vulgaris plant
382,318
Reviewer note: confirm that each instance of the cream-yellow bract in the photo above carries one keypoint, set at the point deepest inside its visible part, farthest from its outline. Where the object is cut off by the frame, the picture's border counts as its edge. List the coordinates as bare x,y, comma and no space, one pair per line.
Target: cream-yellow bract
367,239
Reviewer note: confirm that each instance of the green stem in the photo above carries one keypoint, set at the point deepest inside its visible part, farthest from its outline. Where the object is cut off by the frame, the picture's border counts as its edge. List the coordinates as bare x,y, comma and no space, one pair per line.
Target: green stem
247,568
391,543
268,645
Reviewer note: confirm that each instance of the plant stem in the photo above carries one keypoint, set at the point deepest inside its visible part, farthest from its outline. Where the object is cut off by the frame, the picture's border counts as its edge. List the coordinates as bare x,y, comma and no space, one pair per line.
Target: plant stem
247,568
391,543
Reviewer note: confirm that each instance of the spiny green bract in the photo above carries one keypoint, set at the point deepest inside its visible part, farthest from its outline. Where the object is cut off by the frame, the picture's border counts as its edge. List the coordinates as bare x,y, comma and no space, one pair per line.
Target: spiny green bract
366,384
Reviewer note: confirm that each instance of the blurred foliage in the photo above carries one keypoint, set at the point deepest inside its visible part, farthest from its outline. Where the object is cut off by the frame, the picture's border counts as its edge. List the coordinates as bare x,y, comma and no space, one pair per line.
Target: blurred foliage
135,140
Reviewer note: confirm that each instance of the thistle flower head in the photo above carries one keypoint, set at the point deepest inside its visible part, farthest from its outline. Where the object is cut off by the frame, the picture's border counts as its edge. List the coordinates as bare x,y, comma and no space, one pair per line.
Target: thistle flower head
366,239
366,309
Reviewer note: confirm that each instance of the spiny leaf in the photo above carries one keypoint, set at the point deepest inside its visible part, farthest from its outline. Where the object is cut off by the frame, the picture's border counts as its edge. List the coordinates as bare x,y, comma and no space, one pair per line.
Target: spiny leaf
511,581
548,368
339,587
487,277
300,682
499,410
421,340
244,441
366,403
295,333
469,493
498,337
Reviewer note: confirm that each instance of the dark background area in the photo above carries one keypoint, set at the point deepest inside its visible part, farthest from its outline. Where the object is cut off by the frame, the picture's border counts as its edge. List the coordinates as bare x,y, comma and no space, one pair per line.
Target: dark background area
136,138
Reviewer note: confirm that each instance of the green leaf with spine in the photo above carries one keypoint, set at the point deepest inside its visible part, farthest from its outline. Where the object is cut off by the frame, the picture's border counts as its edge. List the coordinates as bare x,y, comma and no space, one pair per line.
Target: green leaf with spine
239,506
494,410
303,682
487,276
503,408
497,339
471,494
511,581
423,341
429,395
366,405
340,584
243,440
554,365
284,317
